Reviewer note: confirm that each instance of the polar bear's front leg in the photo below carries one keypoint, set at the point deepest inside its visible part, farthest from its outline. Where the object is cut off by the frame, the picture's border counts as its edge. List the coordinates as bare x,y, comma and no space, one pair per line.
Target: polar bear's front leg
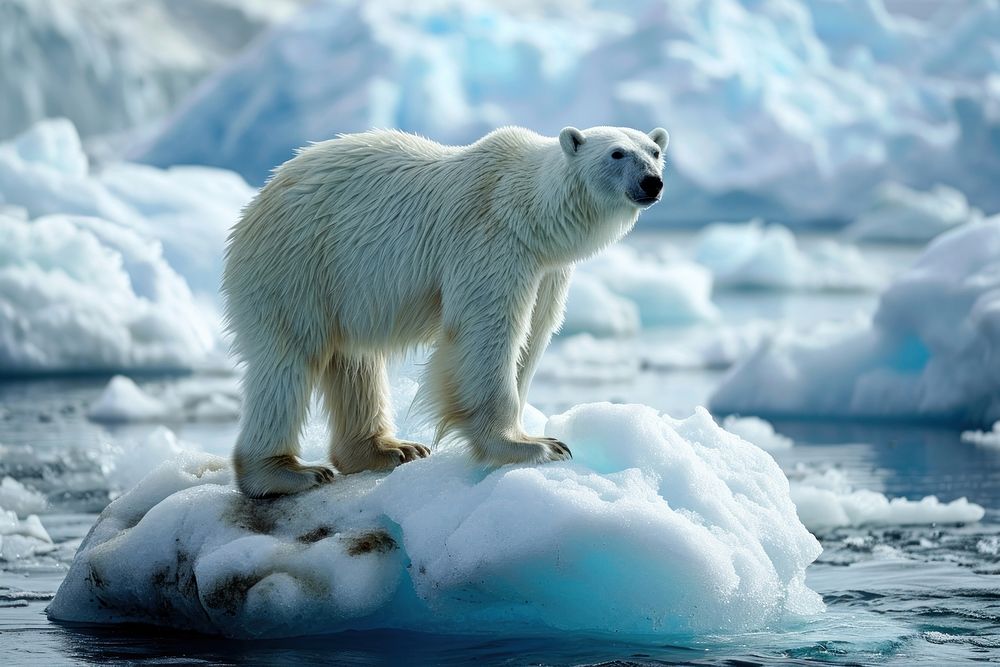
475,371
276,397
546,318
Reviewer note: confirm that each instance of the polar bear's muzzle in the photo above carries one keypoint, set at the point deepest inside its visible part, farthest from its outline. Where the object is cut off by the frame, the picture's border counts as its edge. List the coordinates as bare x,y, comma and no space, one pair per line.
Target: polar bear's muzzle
651,187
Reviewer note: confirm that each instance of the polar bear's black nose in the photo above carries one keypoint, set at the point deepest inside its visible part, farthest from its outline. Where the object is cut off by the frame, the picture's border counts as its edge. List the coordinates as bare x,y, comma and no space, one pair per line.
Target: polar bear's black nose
651,185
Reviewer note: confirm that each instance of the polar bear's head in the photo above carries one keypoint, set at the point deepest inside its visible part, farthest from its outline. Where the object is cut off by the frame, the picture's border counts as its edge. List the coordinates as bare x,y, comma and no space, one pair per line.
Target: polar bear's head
619,166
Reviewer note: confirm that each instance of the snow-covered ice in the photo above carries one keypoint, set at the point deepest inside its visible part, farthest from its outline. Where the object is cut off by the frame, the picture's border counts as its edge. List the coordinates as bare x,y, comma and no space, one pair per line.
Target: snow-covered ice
899,213
838,97
931,351
755,255
826,500
111,269
658,527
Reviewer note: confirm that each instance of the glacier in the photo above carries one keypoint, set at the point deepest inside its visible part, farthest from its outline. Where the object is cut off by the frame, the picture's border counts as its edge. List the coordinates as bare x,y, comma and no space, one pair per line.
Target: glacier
930,352
659,527
838,98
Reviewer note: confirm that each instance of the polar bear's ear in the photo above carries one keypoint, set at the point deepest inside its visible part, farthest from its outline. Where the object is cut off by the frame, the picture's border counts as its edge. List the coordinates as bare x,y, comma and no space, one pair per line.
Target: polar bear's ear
660,136
571,139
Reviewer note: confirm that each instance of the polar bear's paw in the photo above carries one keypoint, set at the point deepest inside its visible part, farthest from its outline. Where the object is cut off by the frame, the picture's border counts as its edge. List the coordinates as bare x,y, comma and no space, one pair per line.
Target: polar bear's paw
526,449
280,475
385,453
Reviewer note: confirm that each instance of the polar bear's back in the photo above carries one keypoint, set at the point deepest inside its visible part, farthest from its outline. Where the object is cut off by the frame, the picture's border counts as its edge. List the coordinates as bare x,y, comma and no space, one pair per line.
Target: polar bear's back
364,225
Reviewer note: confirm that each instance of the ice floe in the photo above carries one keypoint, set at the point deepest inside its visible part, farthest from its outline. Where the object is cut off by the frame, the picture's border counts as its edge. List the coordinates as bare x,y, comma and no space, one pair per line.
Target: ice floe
899,213
658,527
757,431
826,500
989,438
755,255
193,399
930,352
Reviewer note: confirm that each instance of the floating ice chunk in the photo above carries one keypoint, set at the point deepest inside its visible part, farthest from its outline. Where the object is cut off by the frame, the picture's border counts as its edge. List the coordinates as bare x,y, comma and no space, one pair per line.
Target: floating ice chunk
123,401
671,292
753,255
216,407
128,463
591,307
825,501
902,214
658,527
932,350
585,358
86,294
989,438
191,399
17,498
757,431
22,538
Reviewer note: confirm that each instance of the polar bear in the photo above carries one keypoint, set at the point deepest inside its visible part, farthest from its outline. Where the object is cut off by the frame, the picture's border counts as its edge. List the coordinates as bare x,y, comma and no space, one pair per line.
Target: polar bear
363,246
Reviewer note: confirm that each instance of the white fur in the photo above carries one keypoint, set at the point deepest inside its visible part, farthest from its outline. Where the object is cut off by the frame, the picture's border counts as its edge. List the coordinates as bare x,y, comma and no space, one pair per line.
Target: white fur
363,246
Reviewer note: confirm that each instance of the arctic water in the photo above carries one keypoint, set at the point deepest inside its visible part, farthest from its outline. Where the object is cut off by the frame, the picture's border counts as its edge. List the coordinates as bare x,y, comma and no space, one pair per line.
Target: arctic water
895,594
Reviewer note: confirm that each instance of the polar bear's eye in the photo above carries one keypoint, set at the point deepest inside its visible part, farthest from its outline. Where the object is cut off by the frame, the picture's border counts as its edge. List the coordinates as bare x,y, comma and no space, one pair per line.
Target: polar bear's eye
656,155
617,155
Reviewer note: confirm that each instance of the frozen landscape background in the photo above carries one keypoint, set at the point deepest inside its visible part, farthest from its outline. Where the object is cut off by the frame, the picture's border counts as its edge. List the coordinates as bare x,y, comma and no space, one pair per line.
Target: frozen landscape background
823,274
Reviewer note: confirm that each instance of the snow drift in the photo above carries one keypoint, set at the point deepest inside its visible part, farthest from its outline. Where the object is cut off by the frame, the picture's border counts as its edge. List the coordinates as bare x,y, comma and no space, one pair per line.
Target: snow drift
931,351
658,527
838,96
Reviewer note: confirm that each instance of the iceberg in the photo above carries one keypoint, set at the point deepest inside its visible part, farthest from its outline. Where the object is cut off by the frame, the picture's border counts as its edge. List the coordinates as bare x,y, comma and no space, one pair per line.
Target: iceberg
756,256
110,269
665,292
838,98
902,214
115,67
84,294
659,527
593,308
931,351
